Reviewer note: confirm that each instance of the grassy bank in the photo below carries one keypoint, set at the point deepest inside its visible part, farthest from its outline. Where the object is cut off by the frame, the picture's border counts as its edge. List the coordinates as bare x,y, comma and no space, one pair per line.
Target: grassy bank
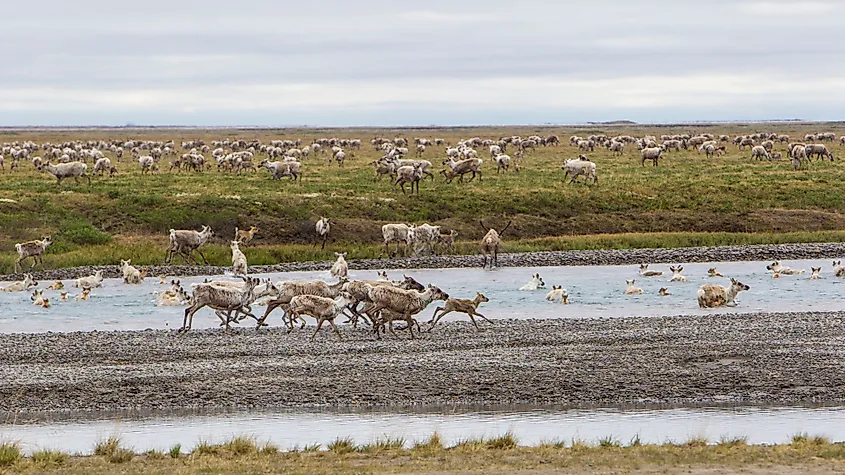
150,251
688,193
497,455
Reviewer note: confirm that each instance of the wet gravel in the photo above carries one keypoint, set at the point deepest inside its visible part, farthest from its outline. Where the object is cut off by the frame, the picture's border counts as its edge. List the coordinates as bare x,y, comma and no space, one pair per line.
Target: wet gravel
759,358
527,259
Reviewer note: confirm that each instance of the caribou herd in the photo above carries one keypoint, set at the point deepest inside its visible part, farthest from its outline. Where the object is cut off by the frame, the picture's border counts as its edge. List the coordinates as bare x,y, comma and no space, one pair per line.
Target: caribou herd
401,159
378,302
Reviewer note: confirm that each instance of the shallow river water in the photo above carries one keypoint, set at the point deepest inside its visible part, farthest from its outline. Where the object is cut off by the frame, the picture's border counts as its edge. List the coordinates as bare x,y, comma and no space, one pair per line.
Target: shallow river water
293,429
595,291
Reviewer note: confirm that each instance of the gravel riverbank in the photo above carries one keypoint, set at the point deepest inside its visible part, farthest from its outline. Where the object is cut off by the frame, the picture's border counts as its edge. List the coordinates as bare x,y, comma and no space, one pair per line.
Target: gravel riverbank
760,358
527,259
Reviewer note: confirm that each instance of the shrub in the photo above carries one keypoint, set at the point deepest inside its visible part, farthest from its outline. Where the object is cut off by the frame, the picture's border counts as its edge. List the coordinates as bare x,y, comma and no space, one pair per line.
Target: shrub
82,233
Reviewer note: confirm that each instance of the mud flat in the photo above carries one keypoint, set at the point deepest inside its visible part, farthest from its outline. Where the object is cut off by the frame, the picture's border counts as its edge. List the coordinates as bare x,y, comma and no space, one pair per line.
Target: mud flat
782,358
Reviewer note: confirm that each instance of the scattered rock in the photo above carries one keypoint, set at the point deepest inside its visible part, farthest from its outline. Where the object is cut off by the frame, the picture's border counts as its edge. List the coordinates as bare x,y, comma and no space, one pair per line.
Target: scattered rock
527,259
766,358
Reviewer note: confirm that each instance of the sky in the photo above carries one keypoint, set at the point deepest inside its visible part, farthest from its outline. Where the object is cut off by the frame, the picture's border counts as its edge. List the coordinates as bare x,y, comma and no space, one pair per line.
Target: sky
392,63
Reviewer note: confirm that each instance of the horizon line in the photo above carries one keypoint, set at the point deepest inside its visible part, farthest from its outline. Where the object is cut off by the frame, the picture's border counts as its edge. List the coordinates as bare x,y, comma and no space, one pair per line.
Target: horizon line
611,123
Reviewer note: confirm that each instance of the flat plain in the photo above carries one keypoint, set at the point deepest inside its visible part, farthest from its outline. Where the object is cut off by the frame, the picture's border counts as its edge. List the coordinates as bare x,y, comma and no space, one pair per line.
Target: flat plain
688,200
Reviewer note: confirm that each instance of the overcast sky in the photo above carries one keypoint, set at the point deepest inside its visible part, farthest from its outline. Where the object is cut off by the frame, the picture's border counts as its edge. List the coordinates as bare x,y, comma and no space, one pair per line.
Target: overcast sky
374,62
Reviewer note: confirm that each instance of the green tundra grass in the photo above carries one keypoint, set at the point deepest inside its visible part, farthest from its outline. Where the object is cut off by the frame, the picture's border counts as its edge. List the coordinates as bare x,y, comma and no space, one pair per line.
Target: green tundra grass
688,200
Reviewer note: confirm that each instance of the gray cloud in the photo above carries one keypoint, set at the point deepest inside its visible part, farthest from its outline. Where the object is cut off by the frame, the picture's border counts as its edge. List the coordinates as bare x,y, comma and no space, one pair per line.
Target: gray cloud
438,62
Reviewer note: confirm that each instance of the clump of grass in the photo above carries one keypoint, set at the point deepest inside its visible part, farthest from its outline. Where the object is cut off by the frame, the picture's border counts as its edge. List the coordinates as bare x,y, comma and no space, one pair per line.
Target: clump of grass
240,446
819,440
432,444
108,446
311,448
805,439
49,458
697,441
120,455
383,445
635,441
507,441
155,454
609,442
268,448
342,446
553,444
205,448
10,453
579,445
175,451
470,445
733,441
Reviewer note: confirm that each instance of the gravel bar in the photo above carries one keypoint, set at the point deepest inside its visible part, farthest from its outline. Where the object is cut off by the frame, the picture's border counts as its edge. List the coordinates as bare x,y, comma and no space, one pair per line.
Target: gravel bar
526,259
783,358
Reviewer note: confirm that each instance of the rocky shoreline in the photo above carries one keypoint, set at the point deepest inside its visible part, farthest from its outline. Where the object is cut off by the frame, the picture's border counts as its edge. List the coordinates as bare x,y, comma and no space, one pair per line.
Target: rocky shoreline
527,259
782,358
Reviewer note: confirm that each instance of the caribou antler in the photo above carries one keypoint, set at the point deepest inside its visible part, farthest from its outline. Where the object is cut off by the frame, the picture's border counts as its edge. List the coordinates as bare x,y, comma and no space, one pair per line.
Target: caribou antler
506,228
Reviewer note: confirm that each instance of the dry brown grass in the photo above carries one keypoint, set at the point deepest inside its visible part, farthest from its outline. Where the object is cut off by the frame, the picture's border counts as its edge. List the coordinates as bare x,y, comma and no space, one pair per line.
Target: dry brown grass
492,456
